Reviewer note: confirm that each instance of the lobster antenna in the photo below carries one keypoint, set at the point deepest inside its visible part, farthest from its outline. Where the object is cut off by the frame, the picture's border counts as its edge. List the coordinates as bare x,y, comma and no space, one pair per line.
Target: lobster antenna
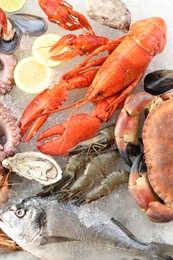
77,104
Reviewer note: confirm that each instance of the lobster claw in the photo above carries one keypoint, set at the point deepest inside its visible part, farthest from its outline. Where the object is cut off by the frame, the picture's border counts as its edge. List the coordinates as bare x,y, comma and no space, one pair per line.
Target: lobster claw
35,114
78,128
50,100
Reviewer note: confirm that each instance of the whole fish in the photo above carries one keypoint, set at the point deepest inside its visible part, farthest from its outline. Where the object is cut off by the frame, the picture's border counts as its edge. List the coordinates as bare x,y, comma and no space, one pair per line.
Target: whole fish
52,230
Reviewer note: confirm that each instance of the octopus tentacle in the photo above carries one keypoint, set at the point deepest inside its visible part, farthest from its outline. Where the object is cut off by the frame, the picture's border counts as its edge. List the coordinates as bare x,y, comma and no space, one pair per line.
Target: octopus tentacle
9,126
7,66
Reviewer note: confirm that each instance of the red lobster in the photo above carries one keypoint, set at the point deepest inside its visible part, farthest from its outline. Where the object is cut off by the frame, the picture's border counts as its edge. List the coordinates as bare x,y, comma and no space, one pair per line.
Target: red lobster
117,76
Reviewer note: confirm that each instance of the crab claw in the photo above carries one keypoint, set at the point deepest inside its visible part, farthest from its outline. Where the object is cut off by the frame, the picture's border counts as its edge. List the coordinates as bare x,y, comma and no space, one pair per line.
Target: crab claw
126,129
126,134
78,128
159,213
145,197
139,187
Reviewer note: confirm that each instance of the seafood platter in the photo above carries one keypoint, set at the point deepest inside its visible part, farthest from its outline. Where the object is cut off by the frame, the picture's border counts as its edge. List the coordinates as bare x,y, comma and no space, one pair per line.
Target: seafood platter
86,112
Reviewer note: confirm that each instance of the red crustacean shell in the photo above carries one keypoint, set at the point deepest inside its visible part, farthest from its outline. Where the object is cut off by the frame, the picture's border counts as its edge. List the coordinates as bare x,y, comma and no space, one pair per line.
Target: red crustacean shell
158,148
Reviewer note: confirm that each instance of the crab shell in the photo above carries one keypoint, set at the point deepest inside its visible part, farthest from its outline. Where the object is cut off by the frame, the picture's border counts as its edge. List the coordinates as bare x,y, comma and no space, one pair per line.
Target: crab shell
150,187
158,148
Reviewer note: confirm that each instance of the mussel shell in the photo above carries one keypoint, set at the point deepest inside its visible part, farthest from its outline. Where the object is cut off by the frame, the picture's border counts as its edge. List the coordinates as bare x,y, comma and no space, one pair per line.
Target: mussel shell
9,47
158,82
30,24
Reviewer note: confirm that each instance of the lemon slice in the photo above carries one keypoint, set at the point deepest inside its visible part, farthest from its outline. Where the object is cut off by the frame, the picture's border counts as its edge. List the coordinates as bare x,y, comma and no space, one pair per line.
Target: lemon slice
12,5
32,77
41,49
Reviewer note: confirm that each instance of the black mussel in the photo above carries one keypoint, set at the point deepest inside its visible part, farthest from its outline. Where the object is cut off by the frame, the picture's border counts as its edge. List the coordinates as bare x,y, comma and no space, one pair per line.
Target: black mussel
9,43
158,82
30,24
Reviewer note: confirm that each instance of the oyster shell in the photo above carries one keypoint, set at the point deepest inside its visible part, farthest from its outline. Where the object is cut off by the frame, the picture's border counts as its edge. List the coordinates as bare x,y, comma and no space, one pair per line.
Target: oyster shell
34,165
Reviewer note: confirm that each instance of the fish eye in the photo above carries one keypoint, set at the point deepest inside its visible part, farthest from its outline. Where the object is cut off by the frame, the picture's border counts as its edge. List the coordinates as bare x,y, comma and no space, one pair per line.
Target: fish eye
20,213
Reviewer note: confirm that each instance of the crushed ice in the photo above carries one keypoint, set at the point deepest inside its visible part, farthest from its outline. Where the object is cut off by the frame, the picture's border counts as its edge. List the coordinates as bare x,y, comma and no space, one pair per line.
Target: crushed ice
119,204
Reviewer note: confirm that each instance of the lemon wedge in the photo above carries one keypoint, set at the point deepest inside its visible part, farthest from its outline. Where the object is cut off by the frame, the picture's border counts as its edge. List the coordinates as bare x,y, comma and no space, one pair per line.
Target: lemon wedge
41,49
12,5
32,77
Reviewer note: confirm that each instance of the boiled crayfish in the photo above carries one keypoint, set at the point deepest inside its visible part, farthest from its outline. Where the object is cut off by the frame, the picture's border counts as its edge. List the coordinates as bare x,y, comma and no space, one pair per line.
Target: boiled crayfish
62,13
108,87
70,45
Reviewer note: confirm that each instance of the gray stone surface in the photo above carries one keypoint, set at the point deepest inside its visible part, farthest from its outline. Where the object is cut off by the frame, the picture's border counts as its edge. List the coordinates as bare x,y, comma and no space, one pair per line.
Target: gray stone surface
112,13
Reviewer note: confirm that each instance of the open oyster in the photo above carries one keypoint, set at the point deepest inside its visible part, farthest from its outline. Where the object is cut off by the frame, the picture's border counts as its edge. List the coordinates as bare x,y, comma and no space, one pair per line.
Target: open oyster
34,165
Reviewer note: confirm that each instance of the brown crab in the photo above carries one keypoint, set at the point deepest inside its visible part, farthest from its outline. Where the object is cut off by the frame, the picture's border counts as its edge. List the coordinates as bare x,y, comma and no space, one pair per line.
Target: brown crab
152,189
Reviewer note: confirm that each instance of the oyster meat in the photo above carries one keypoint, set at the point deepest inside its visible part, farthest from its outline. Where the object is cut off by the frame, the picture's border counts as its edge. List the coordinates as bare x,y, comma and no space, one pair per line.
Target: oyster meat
34,165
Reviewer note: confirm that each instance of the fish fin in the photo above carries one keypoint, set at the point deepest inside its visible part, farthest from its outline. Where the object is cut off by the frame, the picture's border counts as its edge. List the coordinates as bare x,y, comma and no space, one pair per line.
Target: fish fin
55,239
126,231
160,257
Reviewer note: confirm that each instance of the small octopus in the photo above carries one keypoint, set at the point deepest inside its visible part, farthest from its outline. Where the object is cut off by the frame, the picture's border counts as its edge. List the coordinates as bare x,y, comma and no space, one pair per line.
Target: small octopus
9,128
9,141
7,66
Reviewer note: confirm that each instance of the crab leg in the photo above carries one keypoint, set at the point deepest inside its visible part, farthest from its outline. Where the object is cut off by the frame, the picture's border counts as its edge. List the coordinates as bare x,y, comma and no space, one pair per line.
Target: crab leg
139,187
145,197
159,213
126,130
